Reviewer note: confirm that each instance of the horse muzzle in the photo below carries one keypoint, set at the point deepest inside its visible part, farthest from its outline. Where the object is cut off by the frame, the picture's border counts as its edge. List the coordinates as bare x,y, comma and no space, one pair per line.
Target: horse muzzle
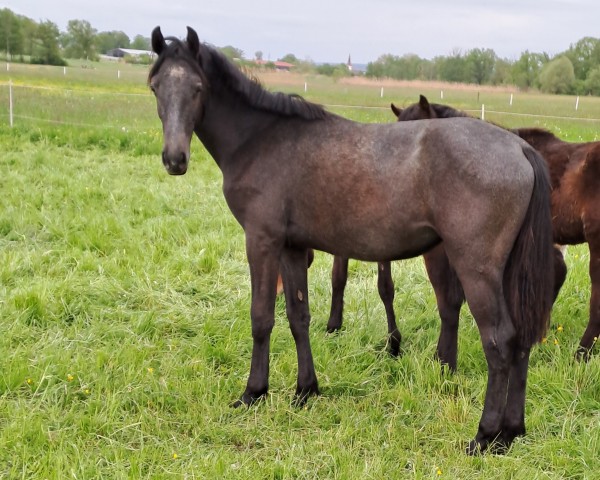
176,164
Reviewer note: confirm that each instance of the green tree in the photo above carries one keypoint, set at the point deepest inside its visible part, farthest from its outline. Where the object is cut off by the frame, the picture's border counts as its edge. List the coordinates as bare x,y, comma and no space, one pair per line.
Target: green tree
584,55
46,48
557,76
480,64
592,82
526,70
80,40
452,68
501,74
407,67
29,28
141,43
106,41
11,34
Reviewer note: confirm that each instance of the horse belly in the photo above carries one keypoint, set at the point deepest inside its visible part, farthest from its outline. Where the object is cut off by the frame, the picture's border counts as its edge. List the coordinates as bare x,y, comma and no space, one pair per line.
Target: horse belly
384,241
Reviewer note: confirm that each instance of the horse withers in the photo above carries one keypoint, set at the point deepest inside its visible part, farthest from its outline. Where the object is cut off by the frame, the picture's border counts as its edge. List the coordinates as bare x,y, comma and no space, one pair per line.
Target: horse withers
298,177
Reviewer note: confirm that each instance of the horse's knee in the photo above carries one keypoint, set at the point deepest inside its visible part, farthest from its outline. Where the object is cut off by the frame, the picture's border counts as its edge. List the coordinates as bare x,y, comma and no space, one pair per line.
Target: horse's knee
262,325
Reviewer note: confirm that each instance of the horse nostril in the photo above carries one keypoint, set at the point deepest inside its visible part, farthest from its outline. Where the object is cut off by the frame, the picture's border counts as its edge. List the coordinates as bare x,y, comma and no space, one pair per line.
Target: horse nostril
176,164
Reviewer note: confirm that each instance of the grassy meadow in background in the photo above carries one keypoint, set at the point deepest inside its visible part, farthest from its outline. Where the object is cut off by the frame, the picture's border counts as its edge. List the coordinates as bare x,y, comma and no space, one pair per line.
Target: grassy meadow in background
125,297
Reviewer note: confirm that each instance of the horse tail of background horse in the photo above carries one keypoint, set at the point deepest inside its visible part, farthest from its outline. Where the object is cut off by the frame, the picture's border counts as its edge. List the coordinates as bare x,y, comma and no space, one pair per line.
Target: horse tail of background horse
529,274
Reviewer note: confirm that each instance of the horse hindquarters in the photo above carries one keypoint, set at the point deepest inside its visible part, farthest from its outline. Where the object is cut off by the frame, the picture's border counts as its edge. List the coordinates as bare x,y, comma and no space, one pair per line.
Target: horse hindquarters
510,298
530,288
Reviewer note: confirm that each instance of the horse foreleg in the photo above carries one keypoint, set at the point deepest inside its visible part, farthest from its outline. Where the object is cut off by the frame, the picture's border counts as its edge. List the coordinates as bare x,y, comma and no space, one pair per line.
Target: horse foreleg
450,297
339,277
263,277
385,285
294,265
592,331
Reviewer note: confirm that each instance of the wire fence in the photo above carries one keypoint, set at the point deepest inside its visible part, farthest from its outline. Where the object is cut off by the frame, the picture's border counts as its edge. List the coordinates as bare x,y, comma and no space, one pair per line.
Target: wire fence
110,109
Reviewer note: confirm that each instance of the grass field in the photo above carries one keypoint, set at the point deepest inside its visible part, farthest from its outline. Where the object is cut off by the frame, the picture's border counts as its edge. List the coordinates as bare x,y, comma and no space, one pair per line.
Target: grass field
124,312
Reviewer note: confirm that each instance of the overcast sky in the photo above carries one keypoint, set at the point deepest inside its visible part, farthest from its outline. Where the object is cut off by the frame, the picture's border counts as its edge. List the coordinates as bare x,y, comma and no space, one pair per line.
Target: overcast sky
329,31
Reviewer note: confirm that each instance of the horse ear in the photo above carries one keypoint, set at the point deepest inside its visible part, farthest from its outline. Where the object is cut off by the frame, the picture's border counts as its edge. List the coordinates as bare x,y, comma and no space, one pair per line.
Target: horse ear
423,102
193,41
158,41
397,111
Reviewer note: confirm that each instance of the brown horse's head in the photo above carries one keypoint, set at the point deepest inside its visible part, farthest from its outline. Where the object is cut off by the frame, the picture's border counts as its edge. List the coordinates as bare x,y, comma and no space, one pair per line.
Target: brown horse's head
418,111
423,110
178,84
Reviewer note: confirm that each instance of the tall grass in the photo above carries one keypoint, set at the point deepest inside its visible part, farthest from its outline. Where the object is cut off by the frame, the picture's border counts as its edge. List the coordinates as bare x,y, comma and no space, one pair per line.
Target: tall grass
124,308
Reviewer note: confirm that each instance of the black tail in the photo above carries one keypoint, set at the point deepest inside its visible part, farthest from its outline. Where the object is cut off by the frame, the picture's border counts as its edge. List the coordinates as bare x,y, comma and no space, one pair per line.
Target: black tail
529,274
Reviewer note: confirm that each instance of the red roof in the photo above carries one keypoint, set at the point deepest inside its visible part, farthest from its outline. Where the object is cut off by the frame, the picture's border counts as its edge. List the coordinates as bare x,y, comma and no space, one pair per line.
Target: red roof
277,64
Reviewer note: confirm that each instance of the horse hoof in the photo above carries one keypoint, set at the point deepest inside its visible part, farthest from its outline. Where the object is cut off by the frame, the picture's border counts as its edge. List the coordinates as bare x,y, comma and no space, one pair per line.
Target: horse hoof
333,327
394,346
583,354
303,394
247,400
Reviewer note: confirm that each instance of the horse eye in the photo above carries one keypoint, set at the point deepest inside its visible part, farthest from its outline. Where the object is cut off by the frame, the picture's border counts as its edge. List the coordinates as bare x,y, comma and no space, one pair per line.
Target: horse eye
153,88
198,88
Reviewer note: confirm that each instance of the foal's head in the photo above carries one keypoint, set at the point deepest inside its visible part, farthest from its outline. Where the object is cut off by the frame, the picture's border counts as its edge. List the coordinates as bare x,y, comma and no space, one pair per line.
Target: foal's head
423,110
178,84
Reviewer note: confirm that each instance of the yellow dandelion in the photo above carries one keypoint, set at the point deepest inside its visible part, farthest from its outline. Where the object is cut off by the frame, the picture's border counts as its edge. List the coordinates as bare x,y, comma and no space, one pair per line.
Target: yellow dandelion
29,381
556,341
150,370
438,472
70,378
87,391
175,456
560,328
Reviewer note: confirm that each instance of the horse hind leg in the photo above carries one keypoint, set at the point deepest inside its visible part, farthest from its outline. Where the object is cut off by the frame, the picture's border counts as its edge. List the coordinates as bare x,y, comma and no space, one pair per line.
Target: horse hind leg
339,278
592,331
385,286
488,306
294,266
513,423
450,297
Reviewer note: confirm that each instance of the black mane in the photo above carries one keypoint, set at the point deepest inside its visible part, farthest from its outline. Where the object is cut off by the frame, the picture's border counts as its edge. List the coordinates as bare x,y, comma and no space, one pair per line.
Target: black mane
220,74
444,111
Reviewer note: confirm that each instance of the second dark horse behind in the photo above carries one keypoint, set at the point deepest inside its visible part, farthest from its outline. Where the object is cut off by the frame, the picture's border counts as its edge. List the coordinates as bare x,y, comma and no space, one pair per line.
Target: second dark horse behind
575,200
288,166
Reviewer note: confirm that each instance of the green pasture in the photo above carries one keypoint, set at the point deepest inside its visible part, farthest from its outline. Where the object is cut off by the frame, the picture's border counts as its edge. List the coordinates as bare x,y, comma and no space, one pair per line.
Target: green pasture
124,313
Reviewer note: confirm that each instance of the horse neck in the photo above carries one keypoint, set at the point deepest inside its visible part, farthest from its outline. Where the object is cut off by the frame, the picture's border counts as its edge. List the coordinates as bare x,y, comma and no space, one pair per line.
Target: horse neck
227,125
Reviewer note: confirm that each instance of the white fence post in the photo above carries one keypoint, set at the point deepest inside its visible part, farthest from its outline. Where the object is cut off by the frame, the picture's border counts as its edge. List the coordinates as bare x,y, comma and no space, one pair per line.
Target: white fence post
305,87
442,94
577,103
511,96
381,92
10,103
482,111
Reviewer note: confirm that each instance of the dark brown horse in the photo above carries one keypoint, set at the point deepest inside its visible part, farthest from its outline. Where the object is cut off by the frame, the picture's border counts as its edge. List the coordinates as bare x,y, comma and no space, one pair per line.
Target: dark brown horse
297,177
575,176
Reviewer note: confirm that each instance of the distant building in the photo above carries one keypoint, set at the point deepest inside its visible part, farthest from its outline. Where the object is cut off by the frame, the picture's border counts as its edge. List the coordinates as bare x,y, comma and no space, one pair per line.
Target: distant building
123,52
280,66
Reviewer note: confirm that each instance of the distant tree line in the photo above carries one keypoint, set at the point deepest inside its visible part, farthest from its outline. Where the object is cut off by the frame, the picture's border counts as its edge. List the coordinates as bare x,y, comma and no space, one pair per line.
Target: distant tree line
23,39
574,71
